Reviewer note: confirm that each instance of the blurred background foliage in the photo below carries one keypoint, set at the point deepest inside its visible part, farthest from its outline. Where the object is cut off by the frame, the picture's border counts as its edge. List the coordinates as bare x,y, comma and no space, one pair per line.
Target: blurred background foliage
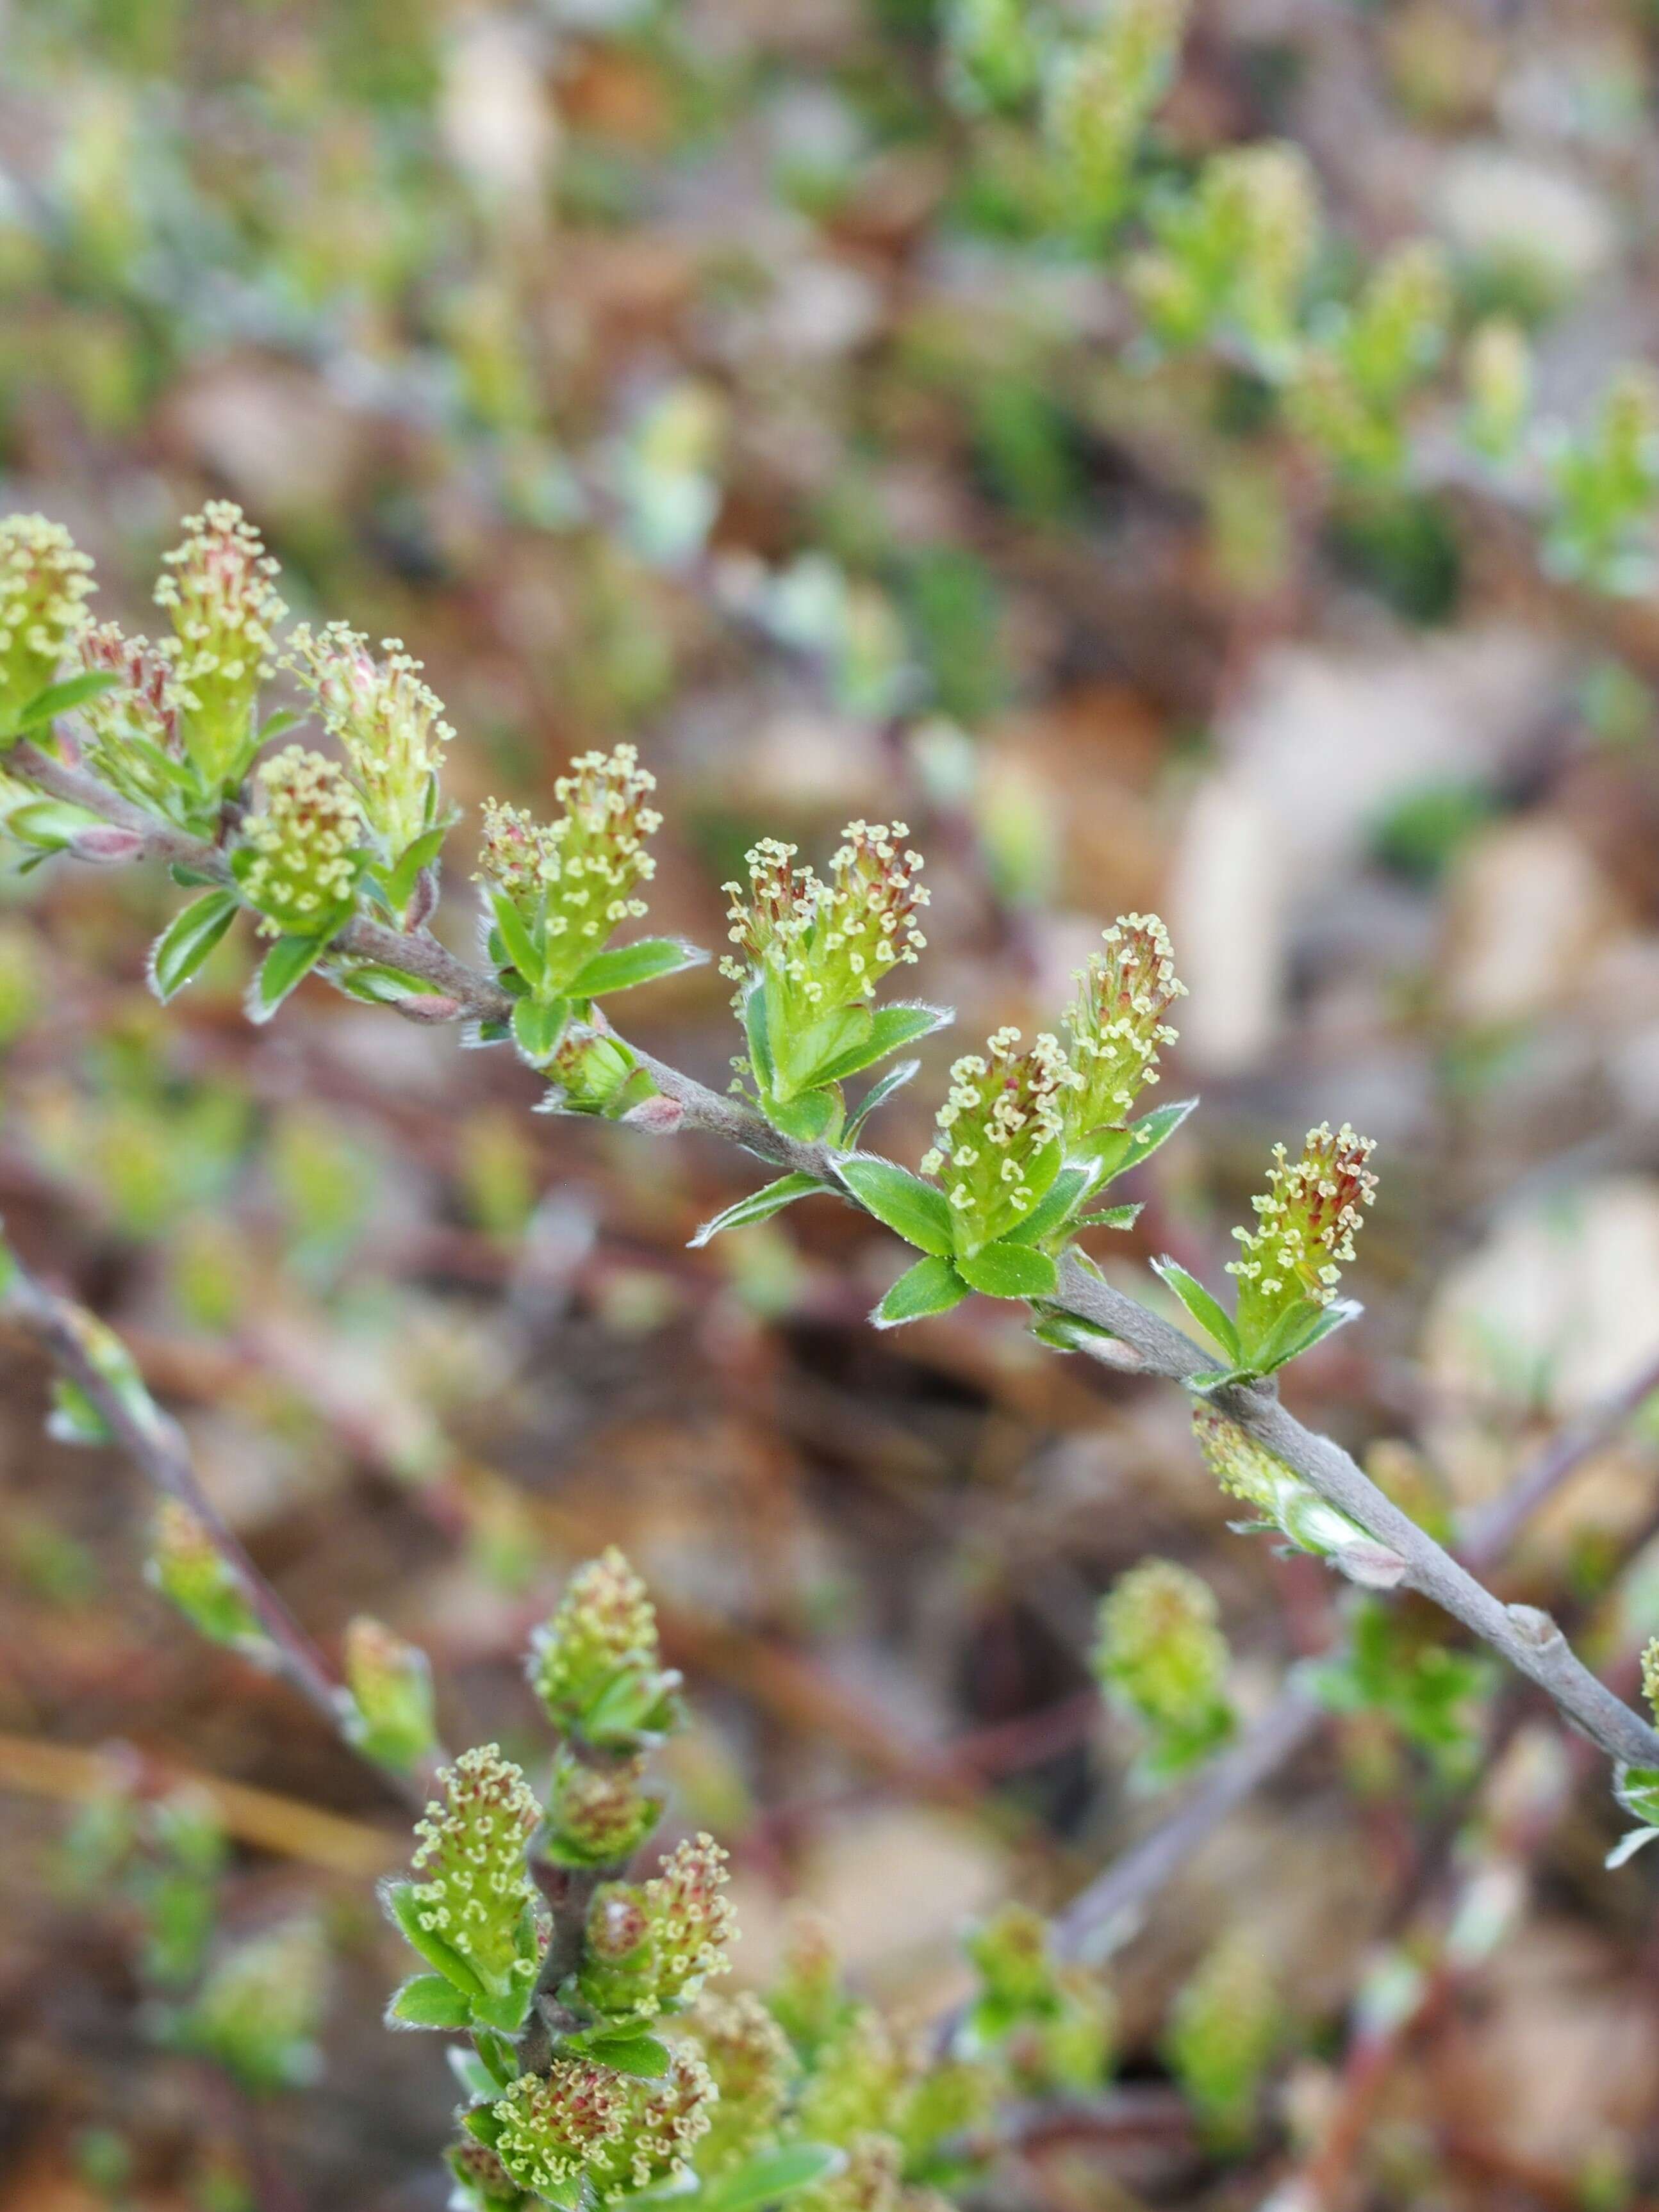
1205,474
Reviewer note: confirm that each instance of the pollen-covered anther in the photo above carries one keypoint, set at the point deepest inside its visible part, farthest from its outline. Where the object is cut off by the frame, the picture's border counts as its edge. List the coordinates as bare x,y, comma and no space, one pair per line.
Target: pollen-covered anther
389,722
828,944
1001,1113
303,839
473,1888
551,2125
692,1920
1116,1024
44,581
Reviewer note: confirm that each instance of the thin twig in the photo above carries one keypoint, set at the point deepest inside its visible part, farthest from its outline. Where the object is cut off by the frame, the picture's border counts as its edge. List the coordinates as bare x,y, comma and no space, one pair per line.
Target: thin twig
1527,1639
157,1447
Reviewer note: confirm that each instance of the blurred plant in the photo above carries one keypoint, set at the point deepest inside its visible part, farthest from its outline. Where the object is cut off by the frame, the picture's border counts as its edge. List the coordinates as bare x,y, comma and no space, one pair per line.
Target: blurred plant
1232,255
1605,482
252,2003
1435,1698
1052,2025
1161,1656
1223,2034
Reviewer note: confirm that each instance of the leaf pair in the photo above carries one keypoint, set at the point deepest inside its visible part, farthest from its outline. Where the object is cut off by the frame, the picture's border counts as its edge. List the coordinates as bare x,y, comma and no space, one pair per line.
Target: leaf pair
455,1995
798,1073
920,1213
1296,1330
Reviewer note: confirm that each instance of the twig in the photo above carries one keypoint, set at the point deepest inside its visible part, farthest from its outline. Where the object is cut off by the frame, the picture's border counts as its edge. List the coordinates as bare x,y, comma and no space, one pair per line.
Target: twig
1527,1639
260,1818
156,1446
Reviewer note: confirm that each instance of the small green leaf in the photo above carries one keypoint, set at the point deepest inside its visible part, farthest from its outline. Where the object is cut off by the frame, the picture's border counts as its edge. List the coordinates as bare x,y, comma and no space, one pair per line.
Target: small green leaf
810,1117
62,698
1010,1271
287,965
805,1056
187,941
429,2000
625,965
1304,1324
756,1030
1209,1315
1067,1191
425,848
879,1093
538,1026
771,2177
404,1909
1627,1847
759,1205
279,724
517,940
639,2055
51,823
890,1027
931,1286
915,1210
1154,1129
1111,1217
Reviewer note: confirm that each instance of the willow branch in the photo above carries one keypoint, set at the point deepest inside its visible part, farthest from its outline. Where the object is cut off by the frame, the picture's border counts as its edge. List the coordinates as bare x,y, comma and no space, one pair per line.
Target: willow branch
156,1446
1528,1639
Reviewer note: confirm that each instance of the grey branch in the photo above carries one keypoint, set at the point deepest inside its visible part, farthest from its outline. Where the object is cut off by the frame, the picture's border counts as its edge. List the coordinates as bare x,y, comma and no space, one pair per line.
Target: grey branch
1529,1640
156,1447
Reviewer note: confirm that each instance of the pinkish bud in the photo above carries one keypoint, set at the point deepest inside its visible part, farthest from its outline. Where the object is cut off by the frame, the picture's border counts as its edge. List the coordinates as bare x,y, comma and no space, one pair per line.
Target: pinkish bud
105,845
658,1116
429,1007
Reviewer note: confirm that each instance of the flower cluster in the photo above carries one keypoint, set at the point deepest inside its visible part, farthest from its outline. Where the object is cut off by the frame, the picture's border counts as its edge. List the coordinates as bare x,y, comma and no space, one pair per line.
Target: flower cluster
301,854
1116,1024
548,2126
474,1900
751,2064
571,881
44,581
1232,255
1225,2029
597,1815
388,1702
1099,97
390,725
1249,1470
225,610
1161,1654
189,1570
133,727
1307,1220
596,1665
999,1130
822,946
259,2007
663,2122
691,1921
1351,384
1497,381
1605,483
651,1946
1053,2028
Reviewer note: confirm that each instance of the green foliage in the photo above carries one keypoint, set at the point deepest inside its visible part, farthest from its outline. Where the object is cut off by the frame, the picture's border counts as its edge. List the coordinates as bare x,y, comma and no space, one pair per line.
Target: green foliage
1434,1697
388,1696
1222,2035
1160,1654
1052,2027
